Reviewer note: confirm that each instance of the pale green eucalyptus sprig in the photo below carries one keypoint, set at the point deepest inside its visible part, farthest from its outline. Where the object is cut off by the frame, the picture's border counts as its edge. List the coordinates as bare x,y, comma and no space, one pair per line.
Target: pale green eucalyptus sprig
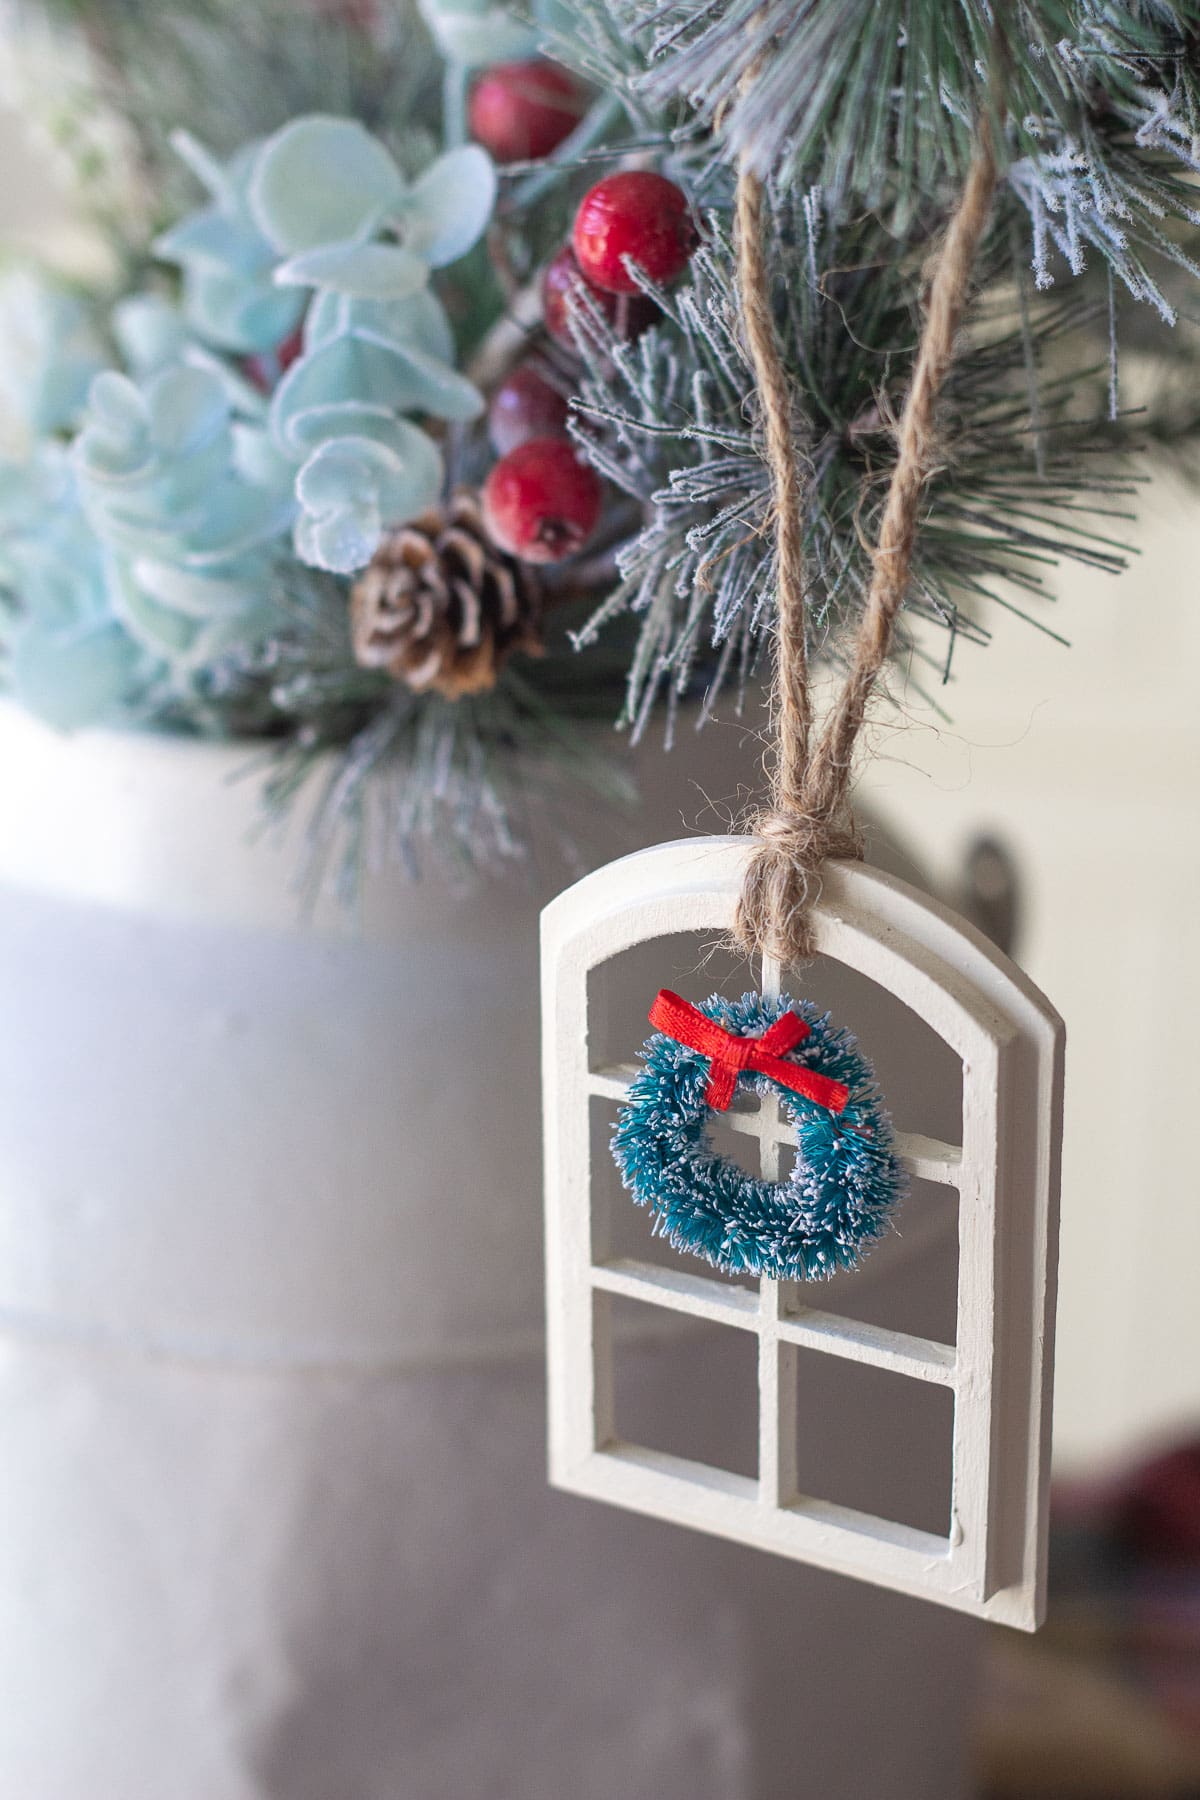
230,299
66,657
50,349
318,221
189,505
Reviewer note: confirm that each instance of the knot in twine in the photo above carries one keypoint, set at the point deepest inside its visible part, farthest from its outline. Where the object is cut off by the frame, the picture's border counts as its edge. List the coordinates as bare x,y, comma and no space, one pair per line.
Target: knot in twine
810,819
783,881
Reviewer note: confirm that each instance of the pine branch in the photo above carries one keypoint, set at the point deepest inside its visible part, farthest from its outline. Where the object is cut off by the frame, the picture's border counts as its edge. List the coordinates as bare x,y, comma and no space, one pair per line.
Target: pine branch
1023,481
1095,106
389,778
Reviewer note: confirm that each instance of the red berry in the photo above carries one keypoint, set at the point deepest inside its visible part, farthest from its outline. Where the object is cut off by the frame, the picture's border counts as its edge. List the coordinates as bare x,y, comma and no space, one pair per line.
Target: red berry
524,109
264,371
524,406
628,314
291,350
541,502
636,214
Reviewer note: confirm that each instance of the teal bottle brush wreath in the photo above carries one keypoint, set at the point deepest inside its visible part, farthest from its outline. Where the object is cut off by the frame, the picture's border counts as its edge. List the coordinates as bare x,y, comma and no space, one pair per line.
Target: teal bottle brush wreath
840,1195
847,1180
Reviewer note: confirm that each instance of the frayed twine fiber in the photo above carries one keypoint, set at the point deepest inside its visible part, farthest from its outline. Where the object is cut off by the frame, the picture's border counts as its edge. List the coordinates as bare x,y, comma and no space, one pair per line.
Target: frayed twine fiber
810,816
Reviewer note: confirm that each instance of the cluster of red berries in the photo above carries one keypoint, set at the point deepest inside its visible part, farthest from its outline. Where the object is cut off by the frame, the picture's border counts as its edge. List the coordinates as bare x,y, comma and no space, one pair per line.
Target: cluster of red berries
541,501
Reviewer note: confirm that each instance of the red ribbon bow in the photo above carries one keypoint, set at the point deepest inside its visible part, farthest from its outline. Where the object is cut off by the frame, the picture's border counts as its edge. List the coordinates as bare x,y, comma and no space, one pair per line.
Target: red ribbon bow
764,1055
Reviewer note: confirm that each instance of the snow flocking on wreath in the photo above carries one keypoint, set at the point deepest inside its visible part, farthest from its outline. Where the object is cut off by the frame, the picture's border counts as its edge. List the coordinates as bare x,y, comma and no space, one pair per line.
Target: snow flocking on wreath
846,1178
791,890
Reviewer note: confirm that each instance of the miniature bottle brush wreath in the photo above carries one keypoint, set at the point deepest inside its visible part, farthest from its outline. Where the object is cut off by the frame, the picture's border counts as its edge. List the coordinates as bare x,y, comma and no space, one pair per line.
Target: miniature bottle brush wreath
846,1179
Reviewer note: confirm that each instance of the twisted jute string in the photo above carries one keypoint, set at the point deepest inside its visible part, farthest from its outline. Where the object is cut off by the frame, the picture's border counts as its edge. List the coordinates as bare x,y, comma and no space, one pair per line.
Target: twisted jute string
810,817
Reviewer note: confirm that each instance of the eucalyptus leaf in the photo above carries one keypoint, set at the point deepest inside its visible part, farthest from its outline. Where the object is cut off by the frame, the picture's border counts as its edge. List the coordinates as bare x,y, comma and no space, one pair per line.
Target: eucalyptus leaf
241,396
50,352
160,629
249,518
328,316
478,34
321,180
194,595
161,483
419,322
105,464
215,240
351,487
363,271
252,316
187,410
229,295
403,482
342,418
448,208
432,385
341,541
116,406
257,459
150,332
357,367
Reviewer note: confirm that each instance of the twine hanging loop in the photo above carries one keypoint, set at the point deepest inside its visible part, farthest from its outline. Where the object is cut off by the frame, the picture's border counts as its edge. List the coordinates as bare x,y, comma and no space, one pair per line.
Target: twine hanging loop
810,818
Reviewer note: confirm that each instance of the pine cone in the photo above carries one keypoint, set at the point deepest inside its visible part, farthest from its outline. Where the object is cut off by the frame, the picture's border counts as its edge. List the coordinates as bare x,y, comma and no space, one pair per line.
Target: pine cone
439,606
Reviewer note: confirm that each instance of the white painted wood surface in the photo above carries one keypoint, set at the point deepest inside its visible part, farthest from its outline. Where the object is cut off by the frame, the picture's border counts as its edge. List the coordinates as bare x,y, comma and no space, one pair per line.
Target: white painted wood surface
1006,1171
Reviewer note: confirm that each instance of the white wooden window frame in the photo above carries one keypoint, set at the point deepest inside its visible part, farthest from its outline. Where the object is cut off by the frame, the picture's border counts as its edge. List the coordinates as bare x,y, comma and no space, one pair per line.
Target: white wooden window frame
1006,1171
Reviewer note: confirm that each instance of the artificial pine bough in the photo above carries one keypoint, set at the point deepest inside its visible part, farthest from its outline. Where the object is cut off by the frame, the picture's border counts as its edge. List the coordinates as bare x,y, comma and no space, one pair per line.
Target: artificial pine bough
384,269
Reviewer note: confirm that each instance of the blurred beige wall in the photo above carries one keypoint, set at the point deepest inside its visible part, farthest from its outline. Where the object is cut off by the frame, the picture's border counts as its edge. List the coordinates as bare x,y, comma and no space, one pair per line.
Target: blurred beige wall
1086,762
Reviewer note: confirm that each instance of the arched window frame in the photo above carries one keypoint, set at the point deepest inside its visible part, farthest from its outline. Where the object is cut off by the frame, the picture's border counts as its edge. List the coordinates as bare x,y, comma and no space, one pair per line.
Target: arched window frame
1006,1171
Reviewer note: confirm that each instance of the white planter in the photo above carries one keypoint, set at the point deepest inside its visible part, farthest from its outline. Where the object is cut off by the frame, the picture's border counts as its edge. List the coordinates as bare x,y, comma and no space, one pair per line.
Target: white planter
273,1522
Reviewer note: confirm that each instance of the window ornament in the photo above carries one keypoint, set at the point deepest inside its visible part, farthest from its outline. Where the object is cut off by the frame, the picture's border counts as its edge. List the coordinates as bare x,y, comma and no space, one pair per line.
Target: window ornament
1009,1042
